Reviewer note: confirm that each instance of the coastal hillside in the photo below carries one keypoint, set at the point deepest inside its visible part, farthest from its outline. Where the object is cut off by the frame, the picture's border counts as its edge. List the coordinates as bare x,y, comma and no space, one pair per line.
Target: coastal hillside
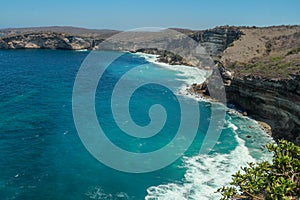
60,29
260,66
271,52
54,37
215,40
265,63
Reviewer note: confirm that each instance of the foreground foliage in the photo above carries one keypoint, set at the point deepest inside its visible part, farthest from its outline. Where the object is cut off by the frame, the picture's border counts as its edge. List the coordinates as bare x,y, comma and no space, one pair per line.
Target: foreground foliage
278,180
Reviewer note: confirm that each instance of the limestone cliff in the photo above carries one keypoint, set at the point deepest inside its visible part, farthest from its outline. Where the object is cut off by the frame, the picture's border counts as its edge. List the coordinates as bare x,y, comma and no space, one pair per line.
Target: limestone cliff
265,63
45,40
215,41
276,102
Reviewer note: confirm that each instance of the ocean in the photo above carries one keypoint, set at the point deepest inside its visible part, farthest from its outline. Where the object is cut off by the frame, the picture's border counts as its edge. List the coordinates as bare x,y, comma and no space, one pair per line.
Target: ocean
43,154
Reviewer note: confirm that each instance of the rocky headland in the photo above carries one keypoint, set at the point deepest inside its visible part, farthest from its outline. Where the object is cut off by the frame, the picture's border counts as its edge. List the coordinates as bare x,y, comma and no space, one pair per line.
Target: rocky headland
48,40
68,38
261,74
260,67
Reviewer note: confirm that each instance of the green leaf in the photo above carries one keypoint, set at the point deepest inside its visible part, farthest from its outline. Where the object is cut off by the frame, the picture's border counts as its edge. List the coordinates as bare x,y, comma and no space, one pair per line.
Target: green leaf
274,181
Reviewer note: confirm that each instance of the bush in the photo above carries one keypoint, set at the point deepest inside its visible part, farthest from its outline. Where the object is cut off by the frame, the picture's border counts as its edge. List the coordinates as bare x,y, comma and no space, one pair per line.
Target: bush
278,180
293,51
268,47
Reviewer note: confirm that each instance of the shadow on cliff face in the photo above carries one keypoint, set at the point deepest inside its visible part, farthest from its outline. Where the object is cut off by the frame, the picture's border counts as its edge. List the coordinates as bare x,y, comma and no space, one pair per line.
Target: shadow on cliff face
274,102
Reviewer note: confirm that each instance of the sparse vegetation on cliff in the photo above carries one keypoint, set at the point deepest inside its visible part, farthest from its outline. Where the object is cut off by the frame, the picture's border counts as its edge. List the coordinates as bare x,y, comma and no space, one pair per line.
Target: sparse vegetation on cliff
271,52
273,67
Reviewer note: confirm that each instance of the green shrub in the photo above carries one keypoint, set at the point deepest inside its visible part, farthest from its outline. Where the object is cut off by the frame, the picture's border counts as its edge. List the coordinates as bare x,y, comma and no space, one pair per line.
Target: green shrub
293,51
268,46
278,180
276,59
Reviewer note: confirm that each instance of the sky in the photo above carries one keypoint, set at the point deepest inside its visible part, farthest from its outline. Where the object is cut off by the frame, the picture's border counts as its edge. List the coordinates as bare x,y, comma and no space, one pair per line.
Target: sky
130,14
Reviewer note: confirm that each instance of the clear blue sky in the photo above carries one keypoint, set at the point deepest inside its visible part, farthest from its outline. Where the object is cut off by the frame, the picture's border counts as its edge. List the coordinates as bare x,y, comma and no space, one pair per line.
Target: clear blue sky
128,14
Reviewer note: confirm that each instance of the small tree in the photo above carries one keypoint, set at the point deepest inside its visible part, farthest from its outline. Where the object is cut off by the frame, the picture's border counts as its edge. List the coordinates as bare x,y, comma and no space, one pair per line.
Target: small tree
278,180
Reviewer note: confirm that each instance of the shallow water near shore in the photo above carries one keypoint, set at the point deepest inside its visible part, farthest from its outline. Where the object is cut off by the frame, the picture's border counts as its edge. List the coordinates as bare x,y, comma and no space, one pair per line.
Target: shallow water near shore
42,156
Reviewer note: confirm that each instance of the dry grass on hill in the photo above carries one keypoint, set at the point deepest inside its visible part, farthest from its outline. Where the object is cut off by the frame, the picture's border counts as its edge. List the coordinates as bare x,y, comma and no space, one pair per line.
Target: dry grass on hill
271,52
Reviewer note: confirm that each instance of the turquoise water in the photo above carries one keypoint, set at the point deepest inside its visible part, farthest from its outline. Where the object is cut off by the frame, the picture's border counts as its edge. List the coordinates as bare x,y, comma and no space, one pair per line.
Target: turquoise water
42,156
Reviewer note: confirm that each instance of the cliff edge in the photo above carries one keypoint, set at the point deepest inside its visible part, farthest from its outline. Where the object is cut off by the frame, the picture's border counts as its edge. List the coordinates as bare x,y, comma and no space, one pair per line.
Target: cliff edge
265,82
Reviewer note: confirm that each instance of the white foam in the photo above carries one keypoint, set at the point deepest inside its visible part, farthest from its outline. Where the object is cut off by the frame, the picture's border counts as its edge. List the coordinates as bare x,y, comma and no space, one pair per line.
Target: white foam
234,127
188,74
149,57
98,193
81,50
204,175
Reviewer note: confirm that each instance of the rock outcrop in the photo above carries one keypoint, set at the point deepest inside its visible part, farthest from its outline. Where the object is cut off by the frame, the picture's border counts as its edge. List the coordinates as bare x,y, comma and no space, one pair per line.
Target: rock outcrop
261,75
216,40
276,102
47,40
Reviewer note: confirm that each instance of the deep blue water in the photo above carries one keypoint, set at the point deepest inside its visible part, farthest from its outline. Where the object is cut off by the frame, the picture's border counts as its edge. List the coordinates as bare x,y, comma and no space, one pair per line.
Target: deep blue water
42,156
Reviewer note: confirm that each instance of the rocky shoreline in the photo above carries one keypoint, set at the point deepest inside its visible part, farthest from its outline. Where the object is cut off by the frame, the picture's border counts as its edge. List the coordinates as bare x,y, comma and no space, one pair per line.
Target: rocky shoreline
200,91
274,103
260,67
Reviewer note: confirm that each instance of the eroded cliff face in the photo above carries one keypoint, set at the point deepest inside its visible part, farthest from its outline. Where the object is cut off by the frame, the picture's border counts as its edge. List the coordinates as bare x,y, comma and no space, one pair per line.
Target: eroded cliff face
46,41
276,102
216,40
